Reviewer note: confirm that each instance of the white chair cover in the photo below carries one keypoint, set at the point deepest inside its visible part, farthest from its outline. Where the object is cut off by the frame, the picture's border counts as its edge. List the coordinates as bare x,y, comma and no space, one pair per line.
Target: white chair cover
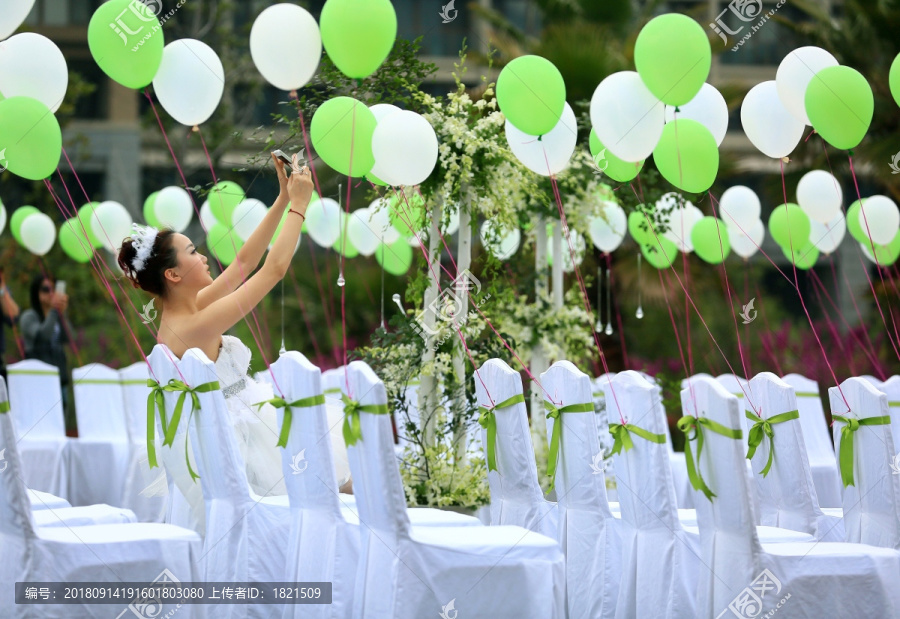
660,560
98,458
99,553
407,571
891,388
245,534
872,381
588,532
318,528
872,503
334,409
738,573
42,500
787,495
36,397
740,388
139,474
516,495
820,451
184,494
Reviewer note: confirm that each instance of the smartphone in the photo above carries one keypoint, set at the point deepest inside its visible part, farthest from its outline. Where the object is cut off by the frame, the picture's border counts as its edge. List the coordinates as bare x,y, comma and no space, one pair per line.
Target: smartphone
60,287
285,158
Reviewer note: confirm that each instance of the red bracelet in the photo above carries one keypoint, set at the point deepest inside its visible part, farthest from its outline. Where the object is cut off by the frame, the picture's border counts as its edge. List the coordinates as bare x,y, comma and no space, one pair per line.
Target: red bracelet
290,210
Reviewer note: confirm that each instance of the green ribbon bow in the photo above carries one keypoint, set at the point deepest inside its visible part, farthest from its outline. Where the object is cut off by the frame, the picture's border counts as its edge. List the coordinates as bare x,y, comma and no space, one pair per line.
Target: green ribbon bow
693,431
170,428
846,455
4,407
277,402
488,420
763,427
553,413
621,433
352,429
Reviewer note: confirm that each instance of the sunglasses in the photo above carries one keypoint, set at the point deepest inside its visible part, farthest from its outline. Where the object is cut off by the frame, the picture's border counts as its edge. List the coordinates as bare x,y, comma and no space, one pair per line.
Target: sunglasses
46,289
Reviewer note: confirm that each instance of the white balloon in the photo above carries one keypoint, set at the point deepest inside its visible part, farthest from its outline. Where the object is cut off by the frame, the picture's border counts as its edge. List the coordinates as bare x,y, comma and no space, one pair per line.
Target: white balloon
2,217
414,241
819,195
285,45
37,233
772,129
173,208
247,216
628,119
31,65
681,222
607,234
450,229
739,207
380,221
111,223
207,219
190,81
383,110
708,108
405,148
551,153
827,237
503,247
879,215
361,233
745,245
794,75
578,245
324,219
12,16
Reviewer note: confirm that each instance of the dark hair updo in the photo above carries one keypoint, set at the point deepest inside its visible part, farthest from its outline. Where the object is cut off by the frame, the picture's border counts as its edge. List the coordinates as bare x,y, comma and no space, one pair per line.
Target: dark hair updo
151,278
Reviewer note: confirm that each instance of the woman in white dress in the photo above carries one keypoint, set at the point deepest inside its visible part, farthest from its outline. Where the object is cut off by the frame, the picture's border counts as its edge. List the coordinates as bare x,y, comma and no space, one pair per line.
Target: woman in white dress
196,310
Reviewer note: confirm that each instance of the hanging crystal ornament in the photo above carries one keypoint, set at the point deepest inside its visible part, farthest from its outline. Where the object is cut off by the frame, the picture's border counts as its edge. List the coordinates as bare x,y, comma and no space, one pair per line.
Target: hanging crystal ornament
598,326
340,280
640,310
609,327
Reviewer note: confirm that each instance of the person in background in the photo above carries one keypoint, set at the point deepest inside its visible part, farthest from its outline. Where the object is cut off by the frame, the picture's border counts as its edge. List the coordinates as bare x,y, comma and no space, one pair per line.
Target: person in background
46,329
9,315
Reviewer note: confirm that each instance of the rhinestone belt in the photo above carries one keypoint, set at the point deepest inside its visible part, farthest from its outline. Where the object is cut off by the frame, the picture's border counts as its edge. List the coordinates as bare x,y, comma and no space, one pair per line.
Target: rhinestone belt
234,389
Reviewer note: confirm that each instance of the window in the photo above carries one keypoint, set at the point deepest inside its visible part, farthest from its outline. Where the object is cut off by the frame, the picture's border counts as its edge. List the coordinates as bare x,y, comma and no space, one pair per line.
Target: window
57,13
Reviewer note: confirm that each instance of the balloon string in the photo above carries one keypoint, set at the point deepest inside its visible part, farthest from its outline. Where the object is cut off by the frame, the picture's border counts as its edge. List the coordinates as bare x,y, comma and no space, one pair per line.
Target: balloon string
243,275
818,287
615,306
672,319
866,270
309,328
862,323
765,340
800,295
344,242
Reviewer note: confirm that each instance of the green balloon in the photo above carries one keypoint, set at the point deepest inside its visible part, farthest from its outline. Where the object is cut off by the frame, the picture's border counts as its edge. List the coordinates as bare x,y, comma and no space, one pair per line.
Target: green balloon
30,138
803,258
126,41
345,245
639,227
396,258
85,214
407,210
687,155
673,56
18,216
223,243
710,240
840,105
854,227
789,226
609,164
74,242
886,254
149,215
531,94
660,254
894,79
342,126
358,36
223,198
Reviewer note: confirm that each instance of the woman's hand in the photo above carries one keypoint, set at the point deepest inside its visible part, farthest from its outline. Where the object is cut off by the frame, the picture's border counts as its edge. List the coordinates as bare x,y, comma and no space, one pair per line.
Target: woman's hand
60,302
300,187
282,178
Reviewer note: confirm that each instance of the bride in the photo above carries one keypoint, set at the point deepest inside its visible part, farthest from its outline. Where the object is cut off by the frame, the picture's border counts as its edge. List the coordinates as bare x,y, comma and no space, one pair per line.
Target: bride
197,310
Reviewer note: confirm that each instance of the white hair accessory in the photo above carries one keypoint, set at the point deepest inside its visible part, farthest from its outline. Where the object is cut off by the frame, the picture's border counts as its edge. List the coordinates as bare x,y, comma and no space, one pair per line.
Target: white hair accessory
142,239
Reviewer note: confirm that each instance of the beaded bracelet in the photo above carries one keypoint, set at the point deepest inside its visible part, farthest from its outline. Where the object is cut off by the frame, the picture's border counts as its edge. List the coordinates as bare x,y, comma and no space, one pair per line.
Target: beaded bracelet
298,213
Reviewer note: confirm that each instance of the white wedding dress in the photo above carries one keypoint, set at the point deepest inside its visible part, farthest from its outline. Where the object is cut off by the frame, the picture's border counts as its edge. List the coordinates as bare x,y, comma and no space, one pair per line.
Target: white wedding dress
256,428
